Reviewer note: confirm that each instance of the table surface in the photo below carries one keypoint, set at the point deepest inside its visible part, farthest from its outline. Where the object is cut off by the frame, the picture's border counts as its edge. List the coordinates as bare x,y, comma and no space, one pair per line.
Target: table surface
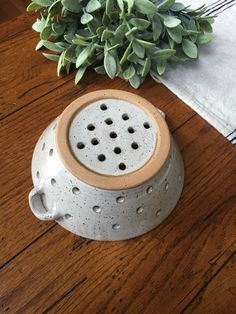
186,265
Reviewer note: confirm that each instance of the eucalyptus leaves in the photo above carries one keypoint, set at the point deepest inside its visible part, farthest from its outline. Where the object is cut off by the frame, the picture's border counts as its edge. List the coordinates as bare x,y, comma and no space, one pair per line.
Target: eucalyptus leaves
124,38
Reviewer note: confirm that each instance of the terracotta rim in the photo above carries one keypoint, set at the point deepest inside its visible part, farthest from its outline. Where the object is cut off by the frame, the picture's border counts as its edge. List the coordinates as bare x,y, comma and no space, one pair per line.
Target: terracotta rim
126,181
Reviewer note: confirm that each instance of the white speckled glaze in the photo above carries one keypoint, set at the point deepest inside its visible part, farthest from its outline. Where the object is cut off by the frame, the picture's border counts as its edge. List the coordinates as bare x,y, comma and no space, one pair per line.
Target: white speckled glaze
96,213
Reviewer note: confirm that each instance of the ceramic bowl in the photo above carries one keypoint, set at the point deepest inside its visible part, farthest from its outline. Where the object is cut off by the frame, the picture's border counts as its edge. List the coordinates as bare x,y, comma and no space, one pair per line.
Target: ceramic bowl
107,168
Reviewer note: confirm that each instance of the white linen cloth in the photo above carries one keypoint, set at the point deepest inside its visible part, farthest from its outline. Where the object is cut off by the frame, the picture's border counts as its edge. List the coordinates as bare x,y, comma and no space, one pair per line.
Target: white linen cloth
208,85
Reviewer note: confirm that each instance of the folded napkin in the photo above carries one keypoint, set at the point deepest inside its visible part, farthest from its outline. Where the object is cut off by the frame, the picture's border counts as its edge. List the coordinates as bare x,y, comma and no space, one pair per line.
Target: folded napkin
208,85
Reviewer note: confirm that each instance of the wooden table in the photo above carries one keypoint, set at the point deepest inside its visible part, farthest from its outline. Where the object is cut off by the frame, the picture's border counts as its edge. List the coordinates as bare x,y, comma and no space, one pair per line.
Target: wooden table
186,265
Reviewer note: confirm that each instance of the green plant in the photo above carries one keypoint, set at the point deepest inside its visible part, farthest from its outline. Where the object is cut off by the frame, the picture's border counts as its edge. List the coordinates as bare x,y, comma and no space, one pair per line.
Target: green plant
124,38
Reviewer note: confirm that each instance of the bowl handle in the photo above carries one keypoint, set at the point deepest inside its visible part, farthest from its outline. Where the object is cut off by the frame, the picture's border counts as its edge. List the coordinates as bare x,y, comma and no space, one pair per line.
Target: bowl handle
38,208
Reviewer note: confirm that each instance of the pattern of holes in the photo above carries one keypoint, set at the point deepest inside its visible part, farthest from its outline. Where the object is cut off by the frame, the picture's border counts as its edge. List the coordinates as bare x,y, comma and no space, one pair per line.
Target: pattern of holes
108,123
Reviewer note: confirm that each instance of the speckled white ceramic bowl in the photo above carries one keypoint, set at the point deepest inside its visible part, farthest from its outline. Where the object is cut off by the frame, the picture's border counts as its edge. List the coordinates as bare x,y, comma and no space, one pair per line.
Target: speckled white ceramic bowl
107,168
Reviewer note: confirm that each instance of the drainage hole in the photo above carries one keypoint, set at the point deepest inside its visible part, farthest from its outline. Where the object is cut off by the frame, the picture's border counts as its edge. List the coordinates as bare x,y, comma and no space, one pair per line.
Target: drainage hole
117,150
122,166
51,152
108,121
101,157
131,130
97,209
75,190
120,199
134,145
90,127
68,216
103,107
38,174
146,125
113,135
125,116
53,182
94,141
116,227
139,210
149,190
80,145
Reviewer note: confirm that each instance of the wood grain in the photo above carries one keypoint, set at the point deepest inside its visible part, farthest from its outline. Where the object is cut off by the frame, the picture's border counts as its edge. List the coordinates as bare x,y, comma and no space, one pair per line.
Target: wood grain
219,295
12,8
181,266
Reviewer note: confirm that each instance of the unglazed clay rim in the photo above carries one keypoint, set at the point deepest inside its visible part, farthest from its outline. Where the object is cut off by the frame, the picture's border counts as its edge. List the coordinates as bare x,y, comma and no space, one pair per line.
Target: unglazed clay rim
126,181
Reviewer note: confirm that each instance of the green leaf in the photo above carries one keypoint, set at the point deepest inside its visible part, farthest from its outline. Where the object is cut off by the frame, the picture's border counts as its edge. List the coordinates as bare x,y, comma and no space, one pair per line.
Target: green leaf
120,33
133,57
189,48
110,65
70,54
51,57
69,38
93,5
55,8
145,44
129,72
171,21
203,39
100,69
106,34
135,81
83,56
165,5
86,18
163,53
43,3
209,19
161,67
145,6
39,25
121,6
126,53
177,6
138,49
156,27
206,26
141,24
46,33
131,31
58,28
60,64
146,67
33,7
80,74
114,47
109,6
72,5
39,45
130,5
175,34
